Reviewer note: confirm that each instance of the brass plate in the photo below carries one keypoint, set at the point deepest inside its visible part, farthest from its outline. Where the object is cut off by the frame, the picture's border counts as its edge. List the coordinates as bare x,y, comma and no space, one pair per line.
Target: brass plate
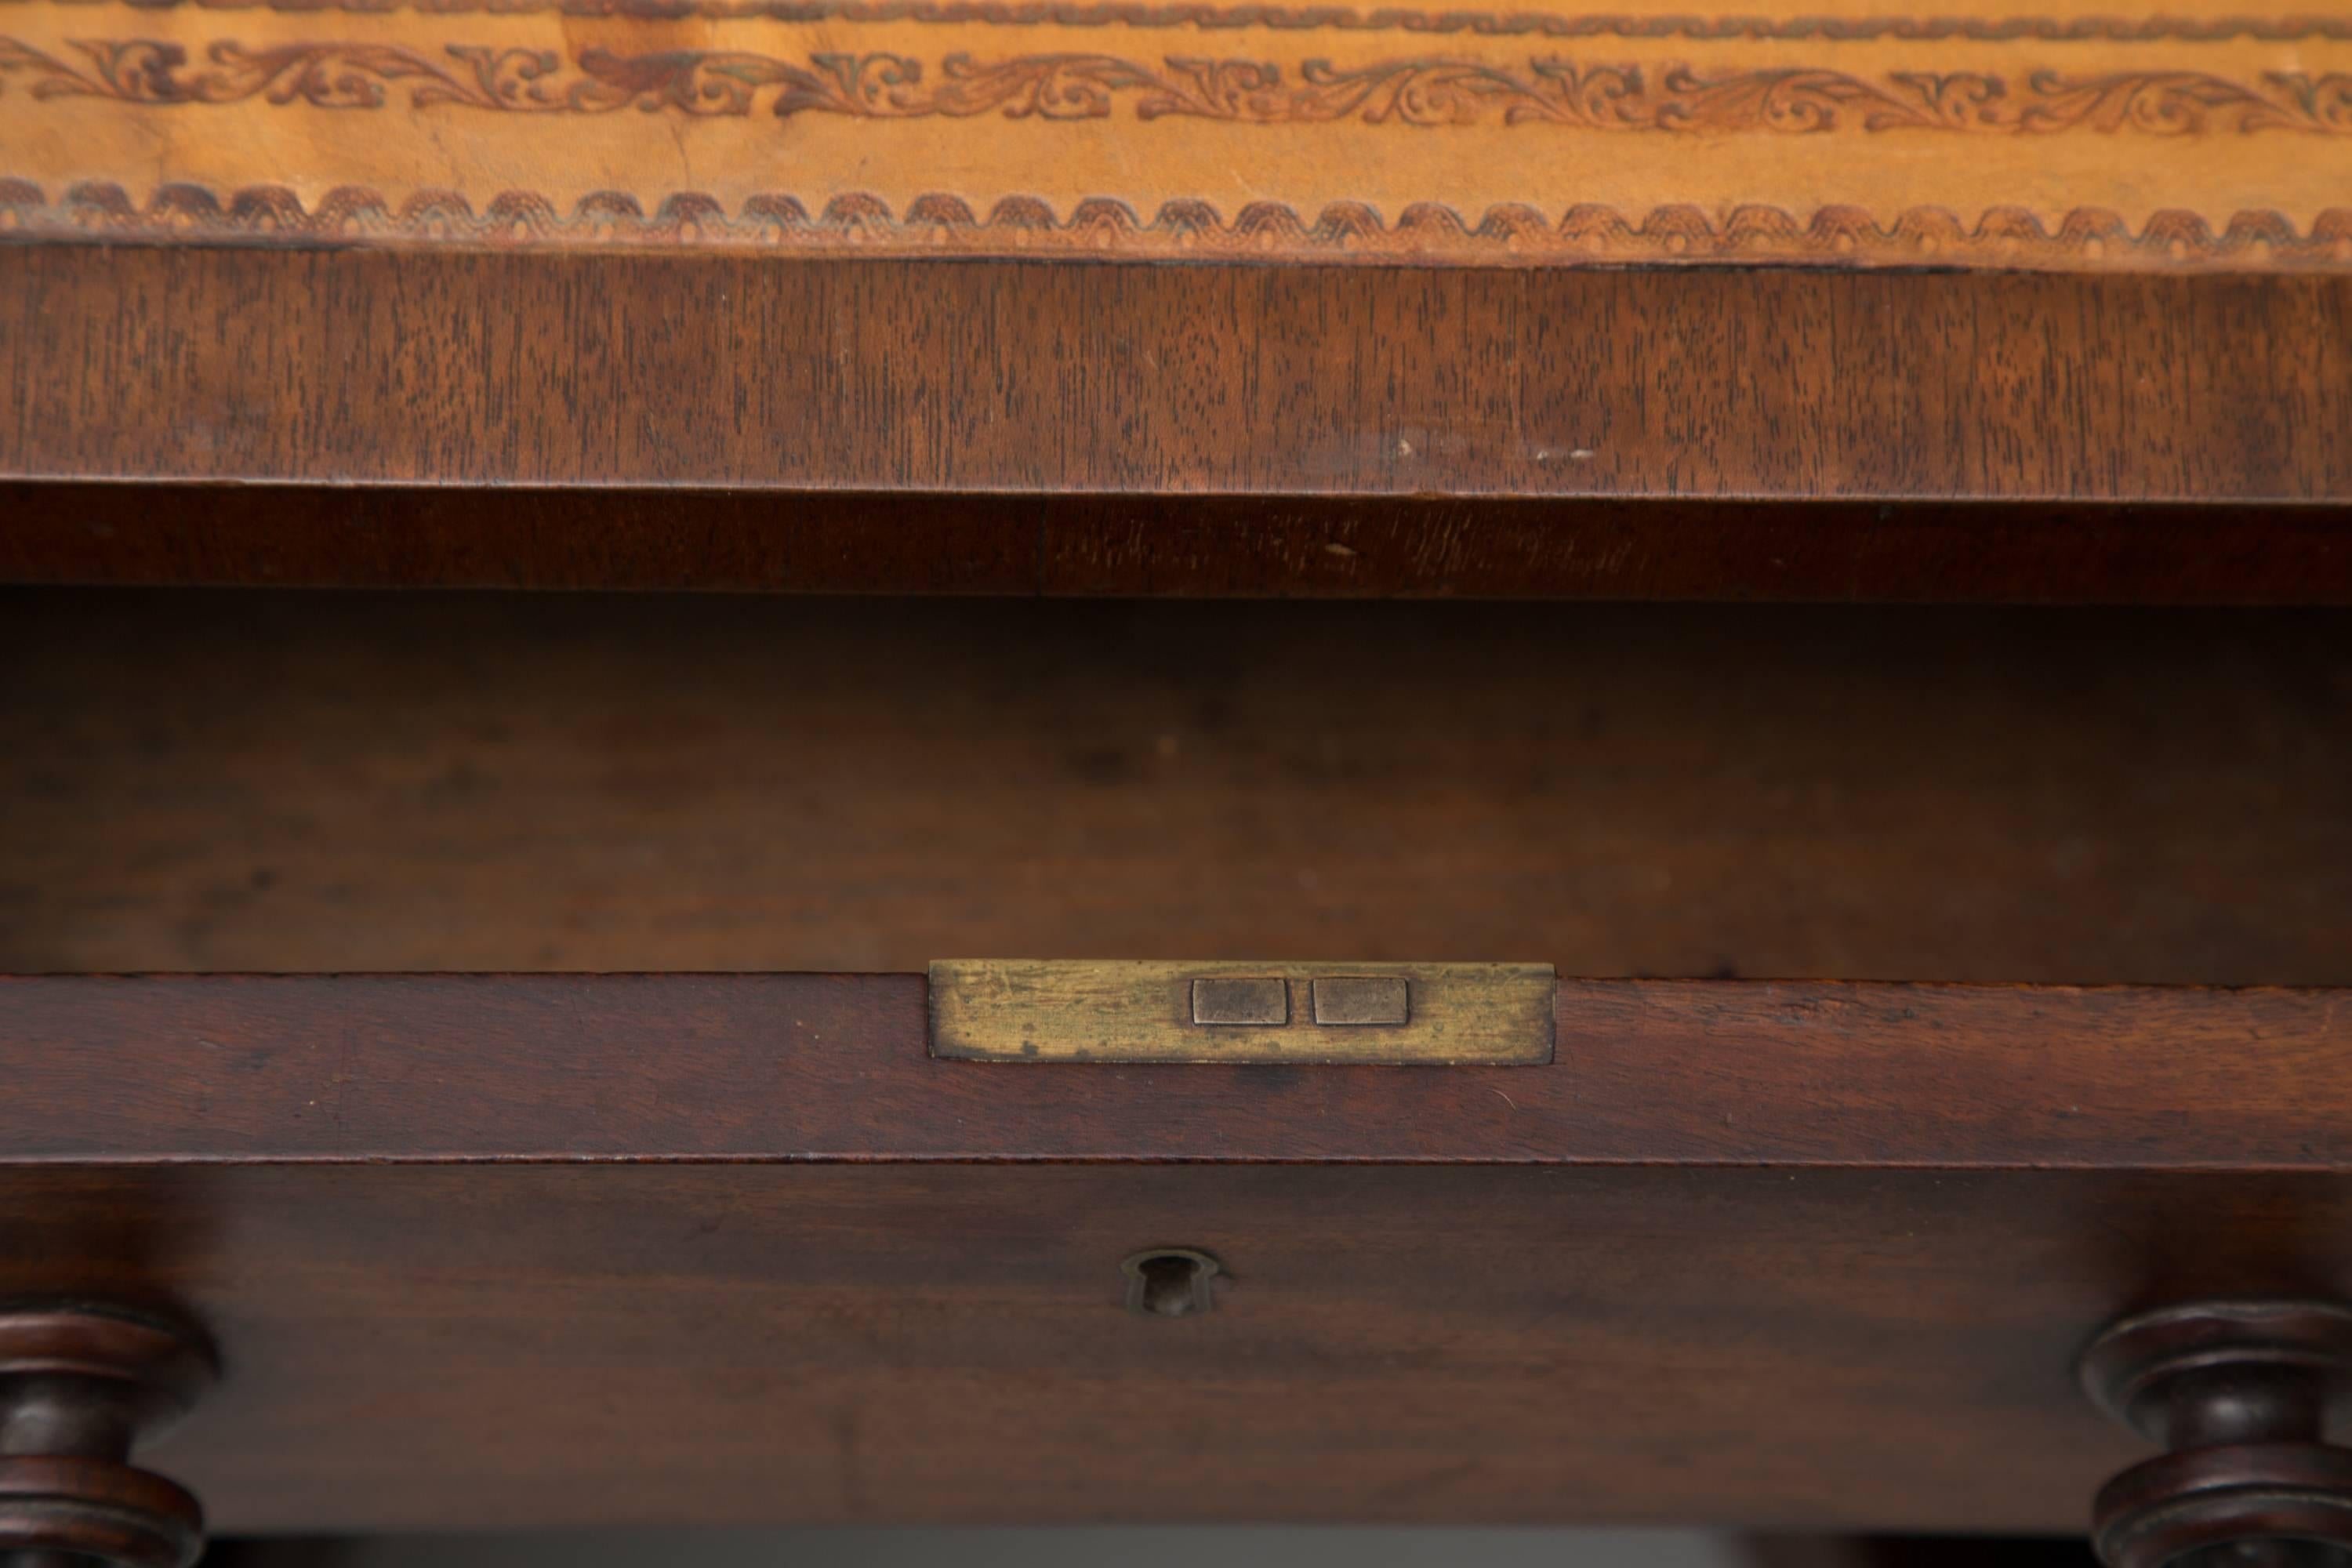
1034,1010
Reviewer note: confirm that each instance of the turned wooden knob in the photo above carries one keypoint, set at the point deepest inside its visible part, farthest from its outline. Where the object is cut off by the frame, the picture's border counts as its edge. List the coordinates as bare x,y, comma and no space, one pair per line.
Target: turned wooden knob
80,1384
2242,1393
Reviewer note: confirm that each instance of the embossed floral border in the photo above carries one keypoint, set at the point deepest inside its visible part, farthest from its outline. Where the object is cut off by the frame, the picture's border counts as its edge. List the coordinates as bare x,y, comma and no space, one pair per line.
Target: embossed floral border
1425,233
2020,27
1408,91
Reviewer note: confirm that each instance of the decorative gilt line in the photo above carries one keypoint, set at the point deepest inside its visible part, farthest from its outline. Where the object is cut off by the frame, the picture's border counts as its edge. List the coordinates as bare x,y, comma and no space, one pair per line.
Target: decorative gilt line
1425,233
1416,92
2291,28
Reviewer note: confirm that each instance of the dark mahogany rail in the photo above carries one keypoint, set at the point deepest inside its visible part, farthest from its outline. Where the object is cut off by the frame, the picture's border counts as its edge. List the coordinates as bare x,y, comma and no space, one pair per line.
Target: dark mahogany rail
1037,428
804,1066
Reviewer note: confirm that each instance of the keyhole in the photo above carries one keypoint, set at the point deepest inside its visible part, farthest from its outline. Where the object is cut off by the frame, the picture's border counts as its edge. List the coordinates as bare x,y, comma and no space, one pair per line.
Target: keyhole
1169,1282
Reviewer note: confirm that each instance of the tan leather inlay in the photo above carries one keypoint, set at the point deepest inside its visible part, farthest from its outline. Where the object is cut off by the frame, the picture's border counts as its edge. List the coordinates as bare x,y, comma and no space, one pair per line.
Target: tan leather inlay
1854,131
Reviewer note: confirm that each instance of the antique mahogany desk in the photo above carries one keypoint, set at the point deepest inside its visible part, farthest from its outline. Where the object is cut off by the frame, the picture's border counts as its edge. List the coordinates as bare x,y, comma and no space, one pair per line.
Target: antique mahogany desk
1522,764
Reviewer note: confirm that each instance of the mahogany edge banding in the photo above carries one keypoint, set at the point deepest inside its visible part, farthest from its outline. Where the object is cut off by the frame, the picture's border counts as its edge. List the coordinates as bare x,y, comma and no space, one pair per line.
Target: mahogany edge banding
834,1068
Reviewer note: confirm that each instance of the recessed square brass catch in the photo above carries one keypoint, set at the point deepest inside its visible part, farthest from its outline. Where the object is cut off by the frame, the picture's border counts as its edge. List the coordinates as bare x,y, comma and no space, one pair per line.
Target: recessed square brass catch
1239,999
1157,1011
1357,1000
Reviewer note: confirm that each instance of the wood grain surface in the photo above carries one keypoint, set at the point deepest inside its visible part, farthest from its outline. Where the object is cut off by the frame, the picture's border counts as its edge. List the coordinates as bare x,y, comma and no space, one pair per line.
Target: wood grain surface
491,1345
356,782
332,366
356,1067
487,1251
1155,545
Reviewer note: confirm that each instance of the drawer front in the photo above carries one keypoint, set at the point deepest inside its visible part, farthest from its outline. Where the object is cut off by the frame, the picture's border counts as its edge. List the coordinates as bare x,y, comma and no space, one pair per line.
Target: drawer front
537,1250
